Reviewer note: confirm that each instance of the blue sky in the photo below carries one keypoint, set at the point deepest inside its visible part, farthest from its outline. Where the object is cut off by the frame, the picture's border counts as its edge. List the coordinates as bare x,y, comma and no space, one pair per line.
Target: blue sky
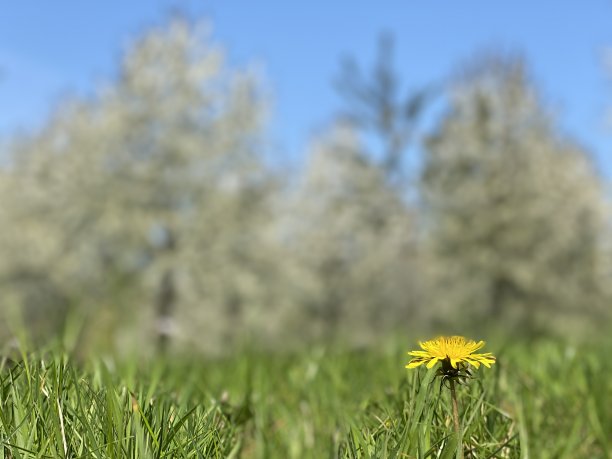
49,50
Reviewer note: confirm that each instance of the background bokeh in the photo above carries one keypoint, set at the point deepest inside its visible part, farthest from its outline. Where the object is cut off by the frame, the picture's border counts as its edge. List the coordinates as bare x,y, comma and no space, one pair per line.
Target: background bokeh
184,201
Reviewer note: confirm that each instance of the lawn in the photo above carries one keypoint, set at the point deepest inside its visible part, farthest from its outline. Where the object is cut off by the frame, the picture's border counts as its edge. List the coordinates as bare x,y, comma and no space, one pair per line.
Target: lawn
544,399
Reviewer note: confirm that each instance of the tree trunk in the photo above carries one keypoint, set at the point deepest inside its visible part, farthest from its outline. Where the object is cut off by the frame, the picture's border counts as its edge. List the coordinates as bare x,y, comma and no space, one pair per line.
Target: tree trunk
165,300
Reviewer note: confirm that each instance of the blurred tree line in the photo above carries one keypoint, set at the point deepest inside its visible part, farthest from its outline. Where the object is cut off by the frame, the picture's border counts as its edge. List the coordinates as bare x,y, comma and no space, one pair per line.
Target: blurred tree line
149,211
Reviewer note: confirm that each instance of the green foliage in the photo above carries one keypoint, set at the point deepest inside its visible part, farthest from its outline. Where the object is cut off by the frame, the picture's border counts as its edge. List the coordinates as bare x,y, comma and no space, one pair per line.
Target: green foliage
544,400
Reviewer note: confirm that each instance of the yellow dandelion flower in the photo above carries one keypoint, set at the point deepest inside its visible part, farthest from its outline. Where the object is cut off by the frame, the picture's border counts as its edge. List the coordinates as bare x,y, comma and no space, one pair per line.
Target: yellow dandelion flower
453,350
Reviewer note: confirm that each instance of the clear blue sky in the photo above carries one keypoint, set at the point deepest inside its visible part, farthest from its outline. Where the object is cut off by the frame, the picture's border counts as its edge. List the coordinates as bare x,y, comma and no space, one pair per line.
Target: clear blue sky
49,49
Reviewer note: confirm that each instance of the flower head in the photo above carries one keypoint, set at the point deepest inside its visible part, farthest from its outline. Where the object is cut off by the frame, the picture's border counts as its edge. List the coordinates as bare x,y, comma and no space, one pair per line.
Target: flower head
451,351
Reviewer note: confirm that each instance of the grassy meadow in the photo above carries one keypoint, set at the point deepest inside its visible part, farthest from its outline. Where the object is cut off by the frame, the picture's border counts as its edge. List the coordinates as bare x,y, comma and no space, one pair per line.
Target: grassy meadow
545,399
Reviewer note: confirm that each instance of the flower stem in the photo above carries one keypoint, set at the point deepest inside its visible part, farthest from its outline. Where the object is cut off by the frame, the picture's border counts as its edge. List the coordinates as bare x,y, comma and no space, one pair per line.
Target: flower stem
456,417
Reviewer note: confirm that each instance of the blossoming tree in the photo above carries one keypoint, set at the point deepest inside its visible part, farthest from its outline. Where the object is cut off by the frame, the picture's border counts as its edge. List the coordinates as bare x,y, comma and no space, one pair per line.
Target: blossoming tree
140,200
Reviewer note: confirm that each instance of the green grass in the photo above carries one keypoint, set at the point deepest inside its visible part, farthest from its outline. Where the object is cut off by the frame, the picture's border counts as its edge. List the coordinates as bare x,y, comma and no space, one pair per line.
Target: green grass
543,400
